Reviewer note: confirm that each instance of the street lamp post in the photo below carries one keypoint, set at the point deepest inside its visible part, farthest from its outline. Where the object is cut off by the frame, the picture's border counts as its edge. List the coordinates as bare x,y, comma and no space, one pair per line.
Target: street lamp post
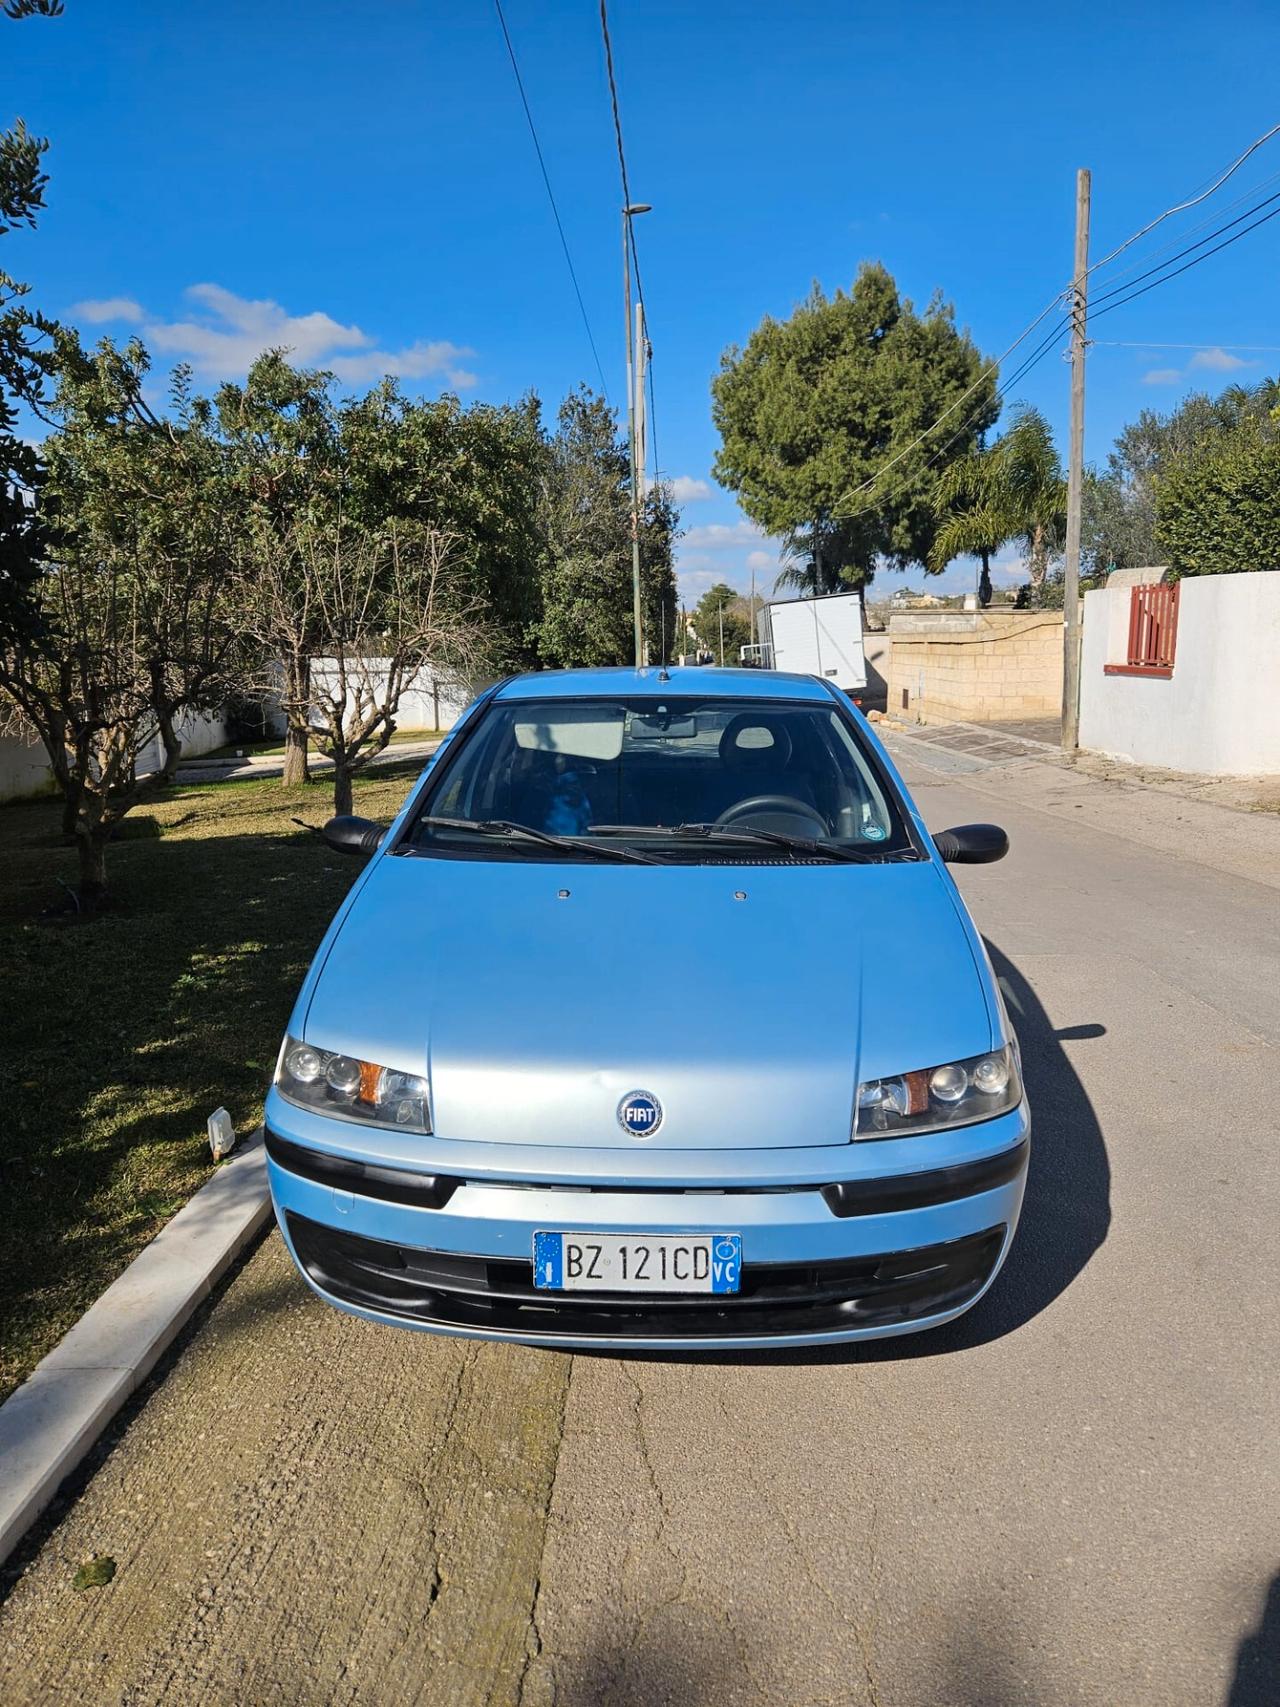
628,213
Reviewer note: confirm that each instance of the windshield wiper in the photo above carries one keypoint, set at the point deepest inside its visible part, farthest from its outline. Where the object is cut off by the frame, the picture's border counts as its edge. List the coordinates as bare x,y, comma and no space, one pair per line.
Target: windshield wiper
747,833
525,832
795,844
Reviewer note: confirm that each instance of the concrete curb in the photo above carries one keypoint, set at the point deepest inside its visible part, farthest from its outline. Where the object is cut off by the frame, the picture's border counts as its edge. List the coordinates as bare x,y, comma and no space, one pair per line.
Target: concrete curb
52,1420
191,772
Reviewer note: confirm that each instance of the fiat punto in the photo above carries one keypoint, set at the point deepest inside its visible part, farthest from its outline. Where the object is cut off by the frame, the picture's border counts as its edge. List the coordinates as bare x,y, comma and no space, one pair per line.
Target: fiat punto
655,1019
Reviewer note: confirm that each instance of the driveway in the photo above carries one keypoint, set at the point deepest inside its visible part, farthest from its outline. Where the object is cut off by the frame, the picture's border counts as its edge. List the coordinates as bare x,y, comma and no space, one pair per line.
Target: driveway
1072,1496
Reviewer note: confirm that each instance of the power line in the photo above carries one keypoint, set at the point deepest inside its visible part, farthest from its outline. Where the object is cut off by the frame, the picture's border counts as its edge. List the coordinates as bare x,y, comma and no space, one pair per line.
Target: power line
1192,201
653,408
1187,265
635,380
564,241
1063,295
1054,338
617,131
1207,219
1107,295
613,99
992,367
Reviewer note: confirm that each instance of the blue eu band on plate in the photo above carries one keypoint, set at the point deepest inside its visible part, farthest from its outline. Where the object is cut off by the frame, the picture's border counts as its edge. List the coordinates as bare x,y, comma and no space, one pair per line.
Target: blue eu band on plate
637,1262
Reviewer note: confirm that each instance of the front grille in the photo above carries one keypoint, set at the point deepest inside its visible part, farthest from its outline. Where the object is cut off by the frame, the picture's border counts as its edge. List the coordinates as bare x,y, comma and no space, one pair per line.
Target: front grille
498,1296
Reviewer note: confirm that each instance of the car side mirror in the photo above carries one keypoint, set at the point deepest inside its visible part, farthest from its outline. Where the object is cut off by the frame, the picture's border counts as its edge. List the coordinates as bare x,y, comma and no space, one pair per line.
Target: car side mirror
972,844
353,835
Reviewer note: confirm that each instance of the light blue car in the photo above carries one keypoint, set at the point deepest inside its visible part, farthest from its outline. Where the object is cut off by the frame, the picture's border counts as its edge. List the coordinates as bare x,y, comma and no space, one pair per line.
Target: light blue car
655,1020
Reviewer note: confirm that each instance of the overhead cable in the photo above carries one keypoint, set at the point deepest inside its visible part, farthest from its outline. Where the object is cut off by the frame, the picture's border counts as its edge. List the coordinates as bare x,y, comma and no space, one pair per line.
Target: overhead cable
546,178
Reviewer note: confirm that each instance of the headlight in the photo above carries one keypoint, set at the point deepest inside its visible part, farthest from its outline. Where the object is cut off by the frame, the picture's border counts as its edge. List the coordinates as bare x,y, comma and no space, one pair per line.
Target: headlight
955,1094
336,1084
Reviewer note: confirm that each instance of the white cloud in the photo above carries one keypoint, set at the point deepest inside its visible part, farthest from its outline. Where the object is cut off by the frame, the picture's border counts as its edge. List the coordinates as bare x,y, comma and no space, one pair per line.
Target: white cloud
1220,360
97,311
698,581
761,560
685,489
227,332
416,361
1009,565
1162,376
721,536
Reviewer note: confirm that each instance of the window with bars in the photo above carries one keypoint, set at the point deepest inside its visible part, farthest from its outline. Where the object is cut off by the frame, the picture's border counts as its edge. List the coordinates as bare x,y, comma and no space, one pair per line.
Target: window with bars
1153,632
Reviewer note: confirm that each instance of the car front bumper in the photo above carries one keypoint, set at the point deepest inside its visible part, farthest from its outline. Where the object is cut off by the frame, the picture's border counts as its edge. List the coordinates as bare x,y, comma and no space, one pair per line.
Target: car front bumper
839,1243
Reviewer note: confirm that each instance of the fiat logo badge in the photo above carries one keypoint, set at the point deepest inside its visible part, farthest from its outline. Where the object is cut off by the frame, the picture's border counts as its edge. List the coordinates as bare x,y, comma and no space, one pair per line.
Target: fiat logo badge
640,1114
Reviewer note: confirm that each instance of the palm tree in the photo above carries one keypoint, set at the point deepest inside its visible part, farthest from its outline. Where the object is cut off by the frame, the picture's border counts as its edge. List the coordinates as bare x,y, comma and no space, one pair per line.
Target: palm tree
822,557
1015,490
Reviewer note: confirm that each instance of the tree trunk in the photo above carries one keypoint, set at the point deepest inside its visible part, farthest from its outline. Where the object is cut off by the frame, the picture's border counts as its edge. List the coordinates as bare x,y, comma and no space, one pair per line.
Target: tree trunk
170,745
984,580
92,845
171,742
297,706
343,795
1039,562
296,769
70,805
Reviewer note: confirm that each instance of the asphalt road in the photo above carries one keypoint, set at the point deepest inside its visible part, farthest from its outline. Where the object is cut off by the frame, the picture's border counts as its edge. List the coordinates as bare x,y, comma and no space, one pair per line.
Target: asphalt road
1072,1496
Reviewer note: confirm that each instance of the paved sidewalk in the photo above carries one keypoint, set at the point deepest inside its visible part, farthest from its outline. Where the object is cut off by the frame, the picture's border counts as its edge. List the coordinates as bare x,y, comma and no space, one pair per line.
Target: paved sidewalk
230,768
1188,818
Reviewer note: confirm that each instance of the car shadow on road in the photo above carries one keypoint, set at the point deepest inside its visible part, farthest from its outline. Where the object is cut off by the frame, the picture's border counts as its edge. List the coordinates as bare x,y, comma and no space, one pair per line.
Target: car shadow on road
1255,1681
1066,1212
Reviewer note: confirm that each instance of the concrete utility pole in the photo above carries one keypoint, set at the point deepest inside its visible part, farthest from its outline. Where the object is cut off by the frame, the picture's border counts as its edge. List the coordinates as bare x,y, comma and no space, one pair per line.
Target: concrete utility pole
1075,474
628,214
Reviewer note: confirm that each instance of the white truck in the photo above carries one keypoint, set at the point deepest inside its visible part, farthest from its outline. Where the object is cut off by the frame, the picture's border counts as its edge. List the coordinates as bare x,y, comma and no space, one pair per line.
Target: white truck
814,637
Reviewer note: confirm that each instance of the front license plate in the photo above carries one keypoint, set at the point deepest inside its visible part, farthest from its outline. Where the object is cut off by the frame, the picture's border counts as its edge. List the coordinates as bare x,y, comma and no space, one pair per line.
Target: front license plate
636,1262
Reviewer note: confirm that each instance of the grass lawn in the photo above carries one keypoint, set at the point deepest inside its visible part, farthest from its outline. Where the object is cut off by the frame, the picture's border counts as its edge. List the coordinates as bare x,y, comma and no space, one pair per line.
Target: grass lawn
122,1036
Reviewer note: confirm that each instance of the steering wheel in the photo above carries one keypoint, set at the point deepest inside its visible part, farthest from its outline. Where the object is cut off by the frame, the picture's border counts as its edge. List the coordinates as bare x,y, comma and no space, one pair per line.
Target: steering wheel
771,805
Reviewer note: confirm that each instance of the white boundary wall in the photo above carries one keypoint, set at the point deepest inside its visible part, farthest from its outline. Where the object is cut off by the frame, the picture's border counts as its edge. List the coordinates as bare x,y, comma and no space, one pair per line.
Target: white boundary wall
1219,712
423,704
24,769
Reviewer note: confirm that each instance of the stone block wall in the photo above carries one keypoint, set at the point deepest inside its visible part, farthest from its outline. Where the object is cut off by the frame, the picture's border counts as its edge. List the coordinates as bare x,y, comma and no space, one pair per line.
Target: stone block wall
977,666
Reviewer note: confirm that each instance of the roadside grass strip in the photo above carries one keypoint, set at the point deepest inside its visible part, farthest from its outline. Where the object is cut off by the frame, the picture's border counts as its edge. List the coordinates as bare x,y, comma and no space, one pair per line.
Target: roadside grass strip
122,1035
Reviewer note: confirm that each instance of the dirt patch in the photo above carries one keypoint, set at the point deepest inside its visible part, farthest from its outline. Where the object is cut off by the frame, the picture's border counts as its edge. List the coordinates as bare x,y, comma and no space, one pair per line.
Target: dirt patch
311,1508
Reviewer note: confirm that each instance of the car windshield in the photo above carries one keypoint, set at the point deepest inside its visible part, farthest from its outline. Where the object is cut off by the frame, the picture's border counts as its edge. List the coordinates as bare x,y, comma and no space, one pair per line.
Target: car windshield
684,778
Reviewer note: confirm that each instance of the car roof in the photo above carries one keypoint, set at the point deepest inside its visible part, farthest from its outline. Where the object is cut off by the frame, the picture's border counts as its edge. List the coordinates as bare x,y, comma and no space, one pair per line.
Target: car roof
704,680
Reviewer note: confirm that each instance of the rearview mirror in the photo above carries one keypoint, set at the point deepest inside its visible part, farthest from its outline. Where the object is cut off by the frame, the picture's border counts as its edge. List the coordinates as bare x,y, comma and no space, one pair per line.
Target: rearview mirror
353,835
972,844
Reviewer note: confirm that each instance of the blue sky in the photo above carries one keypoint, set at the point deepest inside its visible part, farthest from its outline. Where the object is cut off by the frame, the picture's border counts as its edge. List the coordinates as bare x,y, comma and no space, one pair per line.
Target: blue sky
358,182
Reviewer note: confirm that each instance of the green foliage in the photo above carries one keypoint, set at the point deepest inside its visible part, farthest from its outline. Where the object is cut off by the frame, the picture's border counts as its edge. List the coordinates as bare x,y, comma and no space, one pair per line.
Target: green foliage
585,519
1218,504
124,626
473,473
722,612
1119,527
25,363
815,406
1013,490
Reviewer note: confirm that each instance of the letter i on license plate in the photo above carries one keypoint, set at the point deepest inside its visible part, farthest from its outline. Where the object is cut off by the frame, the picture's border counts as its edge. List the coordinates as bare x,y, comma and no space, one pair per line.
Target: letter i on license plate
636,1262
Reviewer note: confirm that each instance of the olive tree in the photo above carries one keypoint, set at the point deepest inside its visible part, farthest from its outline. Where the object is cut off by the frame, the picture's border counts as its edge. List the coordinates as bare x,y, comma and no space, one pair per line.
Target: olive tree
382,610
123,627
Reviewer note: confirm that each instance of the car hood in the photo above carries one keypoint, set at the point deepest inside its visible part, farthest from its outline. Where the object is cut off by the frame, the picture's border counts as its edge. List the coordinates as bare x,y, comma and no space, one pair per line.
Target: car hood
749,1000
